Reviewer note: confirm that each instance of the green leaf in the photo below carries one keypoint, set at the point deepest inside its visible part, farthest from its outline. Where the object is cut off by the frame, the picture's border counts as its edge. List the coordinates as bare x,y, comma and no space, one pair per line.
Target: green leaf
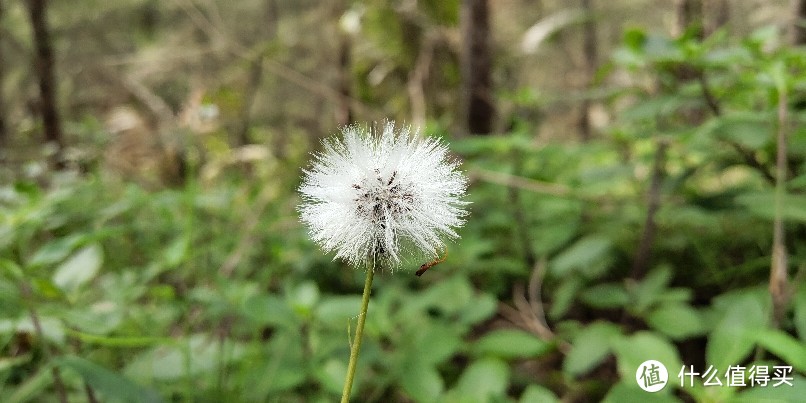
633,350
177,251
198,354
434,344
652,108
590,348
332,375
336,311
269,310
781,394
422,383
11,269
627,392
303,298
676,320
586,252
511,343
109,384
478,309
56,250
762,205
564,296
538,394
33,386
751,130
800,313
650,289
80,268
605,296
484,379
732,338
784,346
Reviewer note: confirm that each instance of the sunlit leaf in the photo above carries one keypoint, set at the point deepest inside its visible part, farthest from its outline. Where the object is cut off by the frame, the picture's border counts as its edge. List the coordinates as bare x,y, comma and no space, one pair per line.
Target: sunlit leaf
511,343
79,268
590,347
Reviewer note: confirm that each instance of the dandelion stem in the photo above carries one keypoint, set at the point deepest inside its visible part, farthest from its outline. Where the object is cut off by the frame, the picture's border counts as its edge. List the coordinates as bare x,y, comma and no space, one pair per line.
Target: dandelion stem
359,331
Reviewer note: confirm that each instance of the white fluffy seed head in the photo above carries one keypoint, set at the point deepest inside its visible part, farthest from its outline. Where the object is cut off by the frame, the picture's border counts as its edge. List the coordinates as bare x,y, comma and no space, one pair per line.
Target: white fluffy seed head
375,193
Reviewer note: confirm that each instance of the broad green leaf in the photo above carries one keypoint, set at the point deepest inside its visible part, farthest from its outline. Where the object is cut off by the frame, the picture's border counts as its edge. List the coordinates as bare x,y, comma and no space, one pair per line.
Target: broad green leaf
485,378
33,386
676,320
732,339
650,289
751,130
650,109
564,296
100,318
627,391
538,394
269,310
177,251
784,346
800,313
422,383
286,369
198,354
80,268
633,350
780,394
762,205
303,298
56,250
605,296
10,269
511,343
590,348
110,385
7,363
336,311
583,254
52,328
436,343
332,375
478,309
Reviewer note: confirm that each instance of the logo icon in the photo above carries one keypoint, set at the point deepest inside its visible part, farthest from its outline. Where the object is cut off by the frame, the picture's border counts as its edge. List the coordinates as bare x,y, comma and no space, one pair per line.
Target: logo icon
651,376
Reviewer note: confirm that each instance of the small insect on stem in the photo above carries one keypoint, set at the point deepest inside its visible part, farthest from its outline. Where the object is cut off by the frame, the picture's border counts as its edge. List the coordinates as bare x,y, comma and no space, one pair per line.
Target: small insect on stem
426,266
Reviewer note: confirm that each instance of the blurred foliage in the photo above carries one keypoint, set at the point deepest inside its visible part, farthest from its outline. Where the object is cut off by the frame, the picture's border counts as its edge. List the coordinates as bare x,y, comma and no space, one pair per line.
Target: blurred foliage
211,291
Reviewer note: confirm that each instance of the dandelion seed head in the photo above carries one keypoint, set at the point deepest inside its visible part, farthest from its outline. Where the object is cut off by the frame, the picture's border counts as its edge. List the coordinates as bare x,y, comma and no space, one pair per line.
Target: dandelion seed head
373,195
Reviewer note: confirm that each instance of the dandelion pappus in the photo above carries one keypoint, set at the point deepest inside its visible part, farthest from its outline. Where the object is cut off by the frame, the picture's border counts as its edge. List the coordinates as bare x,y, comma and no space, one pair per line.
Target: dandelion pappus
426,266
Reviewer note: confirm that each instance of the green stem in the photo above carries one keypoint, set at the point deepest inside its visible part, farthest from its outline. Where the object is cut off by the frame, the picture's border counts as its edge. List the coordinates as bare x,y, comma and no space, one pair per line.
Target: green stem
359,331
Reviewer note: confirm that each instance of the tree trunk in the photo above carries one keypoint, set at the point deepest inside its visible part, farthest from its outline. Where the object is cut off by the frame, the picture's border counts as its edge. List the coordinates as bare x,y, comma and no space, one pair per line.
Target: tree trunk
477,101
255,78
343,113
689,16
3,127
717,14
44,70
591,61
799,25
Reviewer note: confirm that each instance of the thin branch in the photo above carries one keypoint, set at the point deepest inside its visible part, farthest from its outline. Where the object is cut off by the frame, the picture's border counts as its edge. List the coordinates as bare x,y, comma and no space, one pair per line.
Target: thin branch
27,295
779,285
520,182
251,222
747,155
710,99
642,256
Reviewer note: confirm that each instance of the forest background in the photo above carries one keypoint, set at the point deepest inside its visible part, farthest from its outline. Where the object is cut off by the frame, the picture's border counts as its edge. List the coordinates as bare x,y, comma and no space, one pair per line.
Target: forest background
637,177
